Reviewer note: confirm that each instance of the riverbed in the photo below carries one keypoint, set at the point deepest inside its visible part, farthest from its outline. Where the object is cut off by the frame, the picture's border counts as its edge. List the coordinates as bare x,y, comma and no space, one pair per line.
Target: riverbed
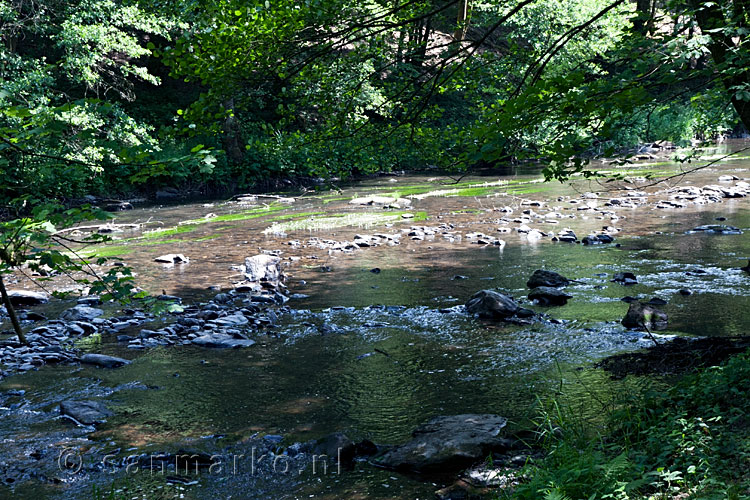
373,340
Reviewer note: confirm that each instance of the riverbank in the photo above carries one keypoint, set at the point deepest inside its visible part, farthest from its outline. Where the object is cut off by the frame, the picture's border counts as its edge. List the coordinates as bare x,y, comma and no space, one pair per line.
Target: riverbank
688,441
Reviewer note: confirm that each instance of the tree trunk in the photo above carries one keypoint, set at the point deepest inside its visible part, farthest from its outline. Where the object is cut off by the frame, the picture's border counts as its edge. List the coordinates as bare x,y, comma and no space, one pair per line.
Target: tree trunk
641,23
461,21
710,16
232,136
12,312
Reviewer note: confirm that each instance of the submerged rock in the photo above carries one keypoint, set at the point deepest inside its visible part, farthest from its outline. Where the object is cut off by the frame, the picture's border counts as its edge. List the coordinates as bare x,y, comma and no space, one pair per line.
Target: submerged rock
547,278
644,316
221,341
548,296
491,304
104,361
448,443
85,412
81,313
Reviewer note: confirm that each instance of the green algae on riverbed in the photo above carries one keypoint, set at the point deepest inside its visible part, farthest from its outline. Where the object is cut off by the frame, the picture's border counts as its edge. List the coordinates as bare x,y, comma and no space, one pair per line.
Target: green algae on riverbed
333,221
245,215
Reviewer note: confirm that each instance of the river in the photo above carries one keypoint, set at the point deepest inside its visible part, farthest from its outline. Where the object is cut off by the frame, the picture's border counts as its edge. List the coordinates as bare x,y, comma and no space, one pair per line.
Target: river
374,354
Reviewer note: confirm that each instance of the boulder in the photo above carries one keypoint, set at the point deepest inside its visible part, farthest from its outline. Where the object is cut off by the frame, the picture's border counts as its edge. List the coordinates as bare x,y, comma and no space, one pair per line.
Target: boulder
567,235
625,278
85,412
236,319
491,304
20,298
644,316
448,443
263,267
547,278
172,258
104,361
548,296
591,240
221,341
728,178
597,239
81,313
337,447
746,268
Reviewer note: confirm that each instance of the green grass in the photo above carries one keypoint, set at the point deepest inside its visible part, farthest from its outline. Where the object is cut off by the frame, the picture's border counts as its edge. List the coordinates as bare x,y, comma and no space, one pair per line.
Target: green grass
688,441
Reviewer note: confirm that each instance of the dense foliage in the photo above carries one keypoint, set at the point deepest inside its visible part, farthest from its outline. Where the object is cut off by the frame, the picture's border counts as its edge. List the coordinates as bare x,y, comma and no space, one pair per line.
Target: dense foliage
128,95
689,441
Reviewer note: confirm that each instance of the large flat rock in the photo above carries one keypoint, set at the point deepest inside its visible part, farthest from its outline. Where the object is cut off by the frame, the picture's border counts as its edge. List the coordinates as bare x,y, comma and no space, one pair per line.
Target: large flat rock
85,412
20,298
449,443
104,361
81,313
221,341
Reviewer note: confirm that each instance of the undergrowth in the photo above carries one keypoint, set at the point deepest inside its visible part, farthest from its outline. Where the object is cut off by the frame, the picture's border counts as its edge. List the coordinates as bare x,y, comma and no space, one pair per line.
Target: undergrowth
686,442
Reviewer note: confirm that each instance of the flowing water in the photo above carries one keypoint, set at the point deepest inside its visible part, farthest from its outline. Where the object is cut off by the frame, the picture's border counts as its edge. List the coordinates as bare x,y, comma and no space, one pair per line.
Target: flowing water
374,354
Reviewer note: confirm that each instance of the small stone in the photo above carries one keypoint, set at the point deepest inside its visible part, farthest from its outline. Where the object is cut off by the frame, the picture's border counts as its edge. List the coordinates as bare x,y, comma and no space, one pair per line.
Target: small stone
172,258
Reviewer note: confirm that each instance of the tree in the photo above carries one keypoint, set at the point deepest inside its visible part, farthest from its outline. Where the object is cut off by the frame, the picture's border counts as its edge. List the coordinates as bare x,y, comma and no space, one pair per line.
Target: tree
726,27
68,75
37,242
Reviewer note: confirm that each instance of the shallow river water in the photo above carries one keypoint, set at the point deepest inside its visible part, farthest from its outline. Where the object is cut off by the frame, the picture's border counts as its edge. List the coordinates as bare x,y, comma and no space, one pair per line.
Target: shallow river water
376,354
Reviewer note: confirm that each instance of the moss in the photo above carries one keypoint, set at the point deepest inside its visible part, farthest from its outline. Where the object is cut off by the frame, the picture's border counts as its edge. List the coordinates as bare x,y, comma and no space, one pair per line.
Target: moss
295,216
158,233
245,215
89,342
107,251
207,238
158,242
334,198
